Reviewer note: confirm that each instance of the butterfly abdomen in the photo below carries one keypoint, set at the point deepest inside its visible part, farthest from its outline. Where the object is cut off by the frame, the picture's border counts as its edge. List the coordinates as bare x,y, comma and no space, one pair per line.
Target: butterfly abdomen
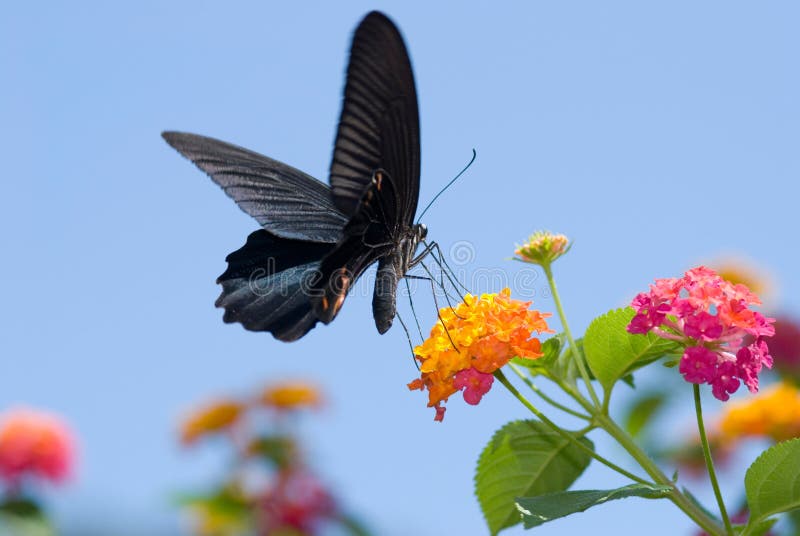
384,300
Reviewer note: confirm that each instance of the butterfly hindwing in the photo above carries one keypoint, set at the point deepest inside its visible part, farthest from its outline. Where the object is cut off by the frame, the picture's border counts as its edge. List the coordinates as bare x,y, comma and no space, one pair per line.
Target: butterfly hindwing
267,286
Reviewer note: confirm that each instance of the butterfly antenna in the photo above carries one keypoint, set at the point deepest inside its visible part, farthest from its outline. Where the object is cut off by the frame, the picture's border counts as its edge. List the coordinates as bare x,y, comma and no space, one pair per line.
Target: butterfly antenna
474,155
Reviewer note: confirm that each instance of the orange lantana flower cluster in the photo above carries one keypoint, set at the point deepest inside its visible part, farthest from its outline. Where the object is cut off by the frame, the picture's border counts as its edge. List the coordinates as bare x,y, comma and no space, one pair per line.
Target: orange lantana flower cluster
473,340
774,414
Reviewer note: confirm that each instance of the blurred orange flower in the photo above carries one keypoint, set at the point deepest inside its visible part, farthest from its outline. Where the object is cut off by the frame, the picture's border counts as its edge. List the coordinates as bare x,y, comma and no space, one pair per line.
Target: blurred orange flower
34,443
774,413
471,342
211,418
291,395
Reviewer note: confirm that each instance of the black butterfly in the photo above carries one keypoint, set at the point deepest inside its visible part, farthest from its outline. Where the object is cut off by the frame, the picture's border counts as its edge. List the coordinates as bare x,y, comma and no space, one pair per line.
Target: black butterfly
316,241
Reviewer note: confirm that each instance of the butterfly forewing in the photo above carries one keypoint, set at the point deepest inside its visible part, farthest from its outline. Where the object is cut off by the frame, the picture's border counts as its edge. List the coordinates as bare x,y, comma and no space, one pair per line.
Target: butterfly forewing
284,200
379,124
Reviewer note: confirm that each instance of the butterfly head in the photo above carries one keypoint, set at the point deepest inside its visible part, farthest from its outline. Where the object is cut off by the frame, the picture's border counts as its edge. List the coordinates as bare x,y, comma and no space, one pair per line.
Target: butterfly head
420,232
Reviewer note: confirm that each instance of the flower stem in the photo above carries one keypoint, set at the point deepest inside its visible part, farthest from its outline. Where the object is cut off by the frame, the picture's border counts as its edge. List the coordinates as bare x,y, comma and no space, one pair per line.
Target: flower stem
563,433
544,396
709,462
680,500
574,347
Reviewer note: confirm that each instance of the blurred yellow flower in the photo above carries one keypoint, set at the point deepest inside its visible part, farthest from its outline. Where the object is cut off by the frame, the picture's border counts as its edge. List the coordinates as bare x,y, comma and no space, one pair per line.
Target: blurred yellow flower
741,270
211,418
774,413
291,395
225,513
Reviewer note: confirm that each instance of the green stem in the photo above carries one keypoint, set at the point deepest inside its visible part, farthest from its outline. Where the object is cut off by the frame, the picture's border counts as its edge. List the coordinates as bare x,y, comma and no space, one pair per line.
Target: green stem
709,462
563,433
576,354
680,500
545,397
576,395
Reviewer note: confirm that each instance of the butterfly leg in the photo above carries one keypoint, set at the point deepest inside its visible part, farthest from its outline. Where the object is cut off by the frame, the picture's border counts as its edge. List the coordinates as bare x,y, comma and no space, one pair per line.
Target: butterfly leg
408,336
429,249
436,303
444,289
442,274
422,254
442,261
413,312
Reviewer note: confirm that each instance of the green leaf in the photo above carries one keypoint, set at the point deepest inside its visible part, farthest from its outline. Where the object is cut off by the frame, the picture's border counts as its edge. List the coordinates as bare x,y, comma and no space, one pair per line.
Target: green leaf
793,519
612,352
524,458
21,507
566,367
550,348
539,510
641,412
11,524
628,380
277,449
759,529
227,509
23,517
772,482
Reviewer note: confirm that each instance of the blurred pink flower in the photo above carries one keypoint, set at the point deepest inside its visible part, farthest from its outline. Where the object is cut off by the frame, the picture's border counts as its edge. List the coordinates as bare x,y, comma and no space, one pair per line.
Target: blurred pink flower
785,345
298,501
34,443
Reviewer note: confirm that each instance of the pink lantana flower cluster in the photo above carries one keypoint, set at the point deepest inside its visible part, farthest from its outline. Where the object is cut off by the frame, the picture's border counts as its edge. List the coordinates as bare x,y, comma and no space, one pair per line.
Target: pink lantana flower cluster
712,319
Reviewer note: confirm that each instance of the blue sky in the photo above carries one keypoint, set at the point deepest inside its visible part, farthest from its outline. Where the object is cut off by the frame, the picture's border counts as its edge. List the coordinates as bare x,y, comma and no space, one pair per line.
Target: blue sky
656,136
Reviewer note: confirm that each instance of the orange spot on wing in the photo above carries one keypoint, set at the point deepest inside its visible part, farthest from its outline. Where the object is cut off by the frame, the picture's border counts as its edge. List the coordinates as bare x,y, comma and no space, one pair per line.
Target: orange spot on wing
339,302
344,283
